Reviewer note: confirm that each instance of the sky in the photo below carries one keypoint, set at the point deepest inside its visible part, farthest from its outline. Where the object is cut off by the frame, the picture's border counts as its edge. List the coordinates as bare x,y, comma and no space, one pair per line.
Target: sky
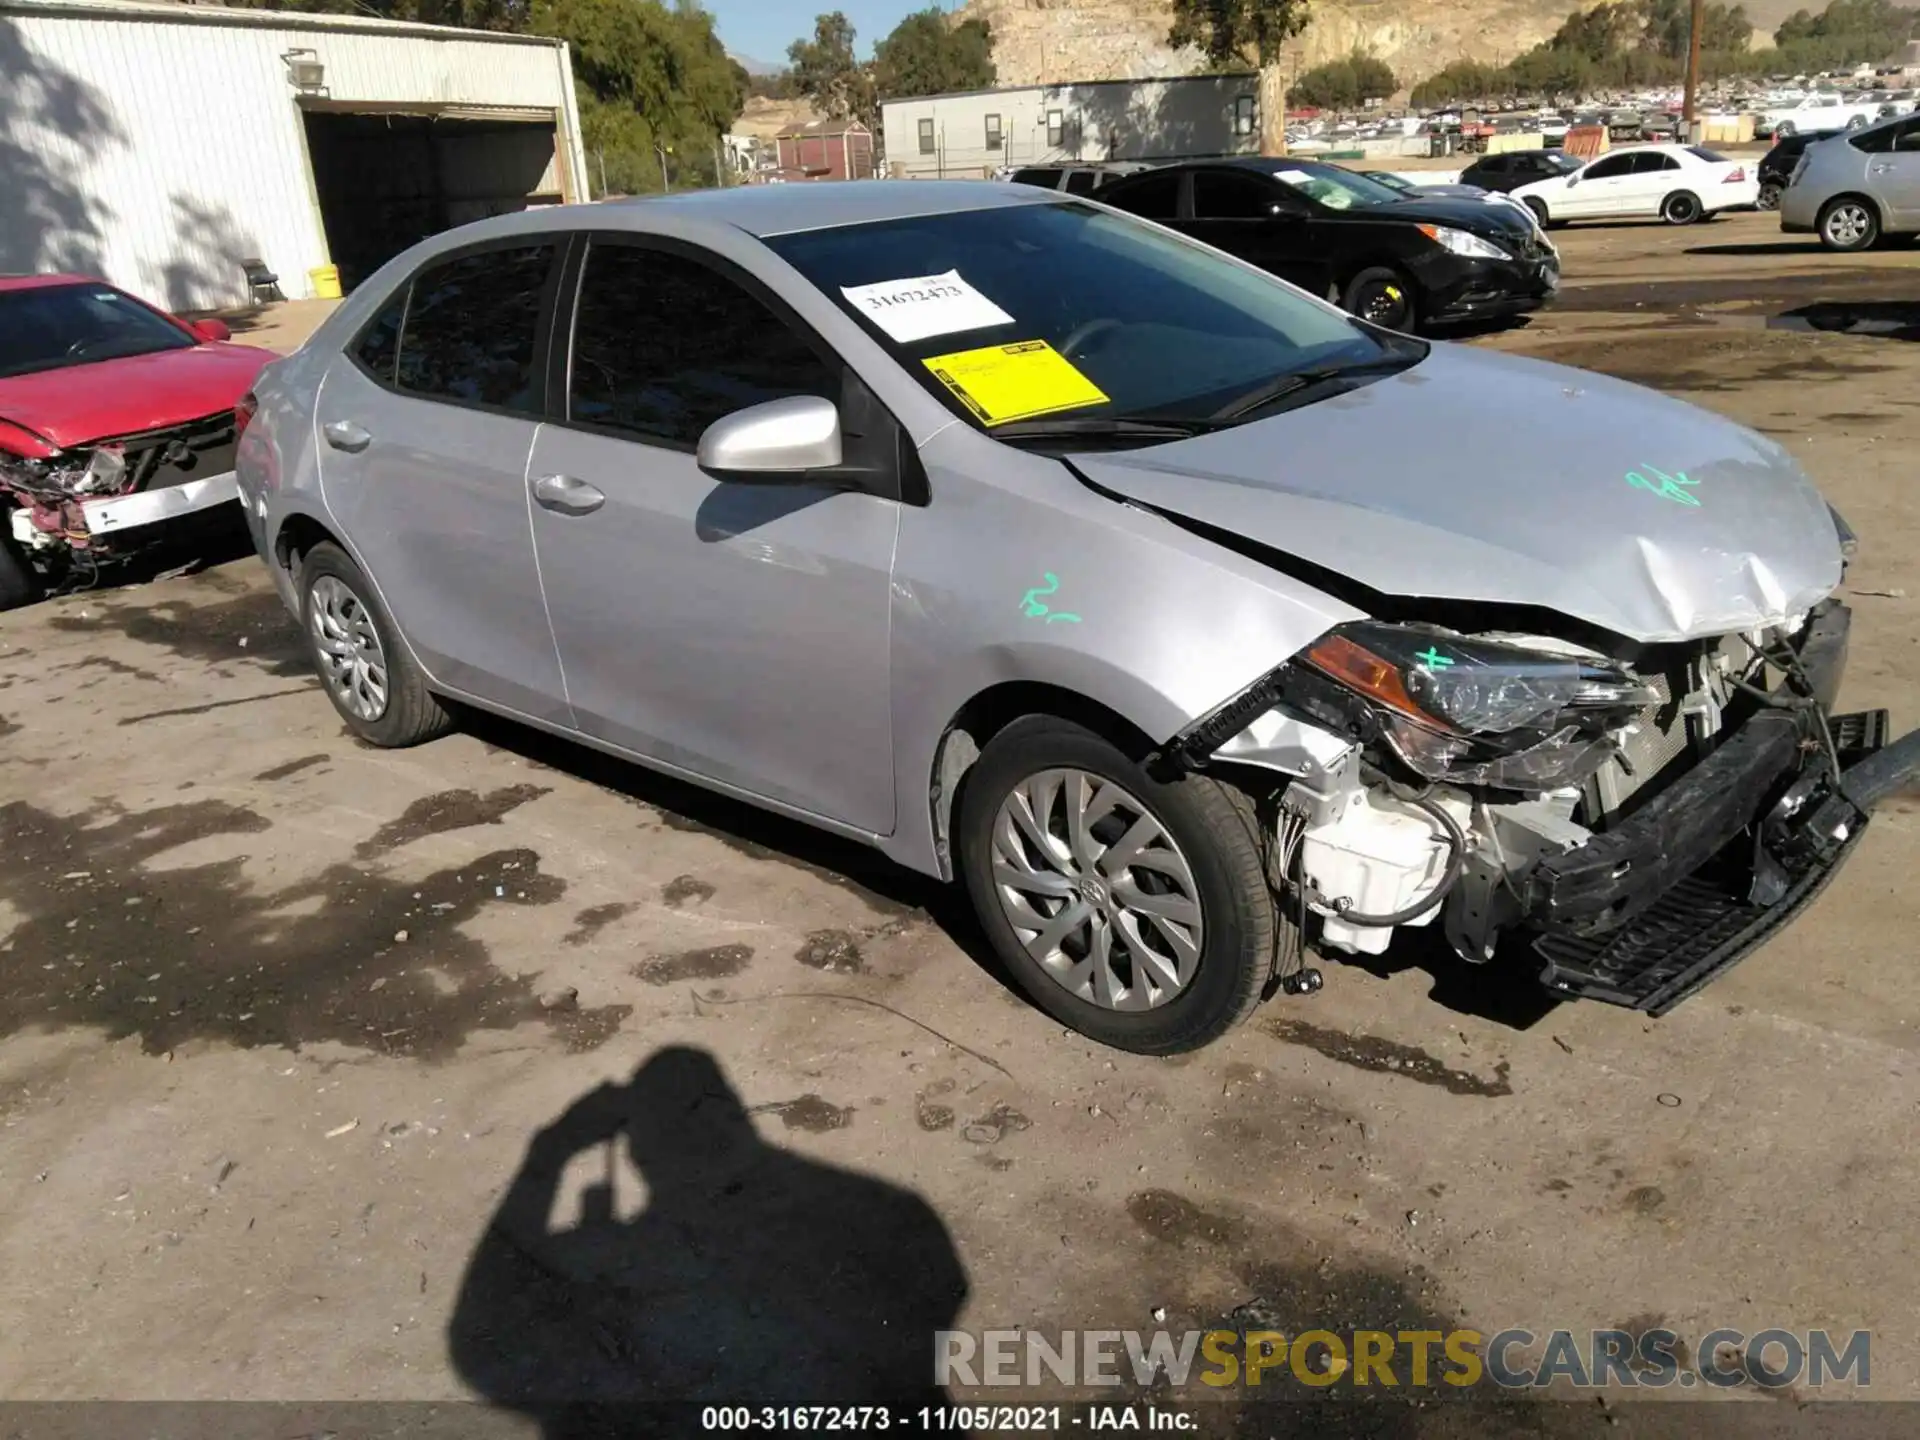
762,29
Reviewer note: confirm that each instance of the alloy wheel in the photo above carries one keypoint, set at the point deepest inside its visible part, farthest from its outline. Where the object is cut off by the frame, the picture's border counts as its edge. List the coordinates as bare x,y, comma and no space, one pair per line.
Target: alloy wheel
1384,303
353,663
1848,224
1096,890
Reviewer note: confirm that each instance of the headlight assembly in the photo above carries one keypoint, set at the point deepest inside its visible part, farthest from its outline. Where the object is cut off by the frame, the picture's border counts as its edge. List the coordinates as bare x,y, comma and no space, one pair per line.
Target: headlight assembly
1480,711
1459,242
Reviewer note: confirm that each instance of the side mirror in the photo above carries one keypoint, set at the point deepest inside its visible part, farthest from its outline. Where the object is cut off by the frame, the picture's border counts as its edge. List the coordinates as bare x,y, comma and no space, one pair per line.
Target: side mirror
779,440
211,330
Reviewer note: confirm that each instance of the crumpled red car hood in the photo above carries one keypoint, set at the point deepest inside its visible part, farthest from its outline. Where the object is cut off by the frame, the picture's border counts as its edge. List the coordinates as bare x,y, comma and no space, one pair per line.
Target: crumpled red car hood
82,403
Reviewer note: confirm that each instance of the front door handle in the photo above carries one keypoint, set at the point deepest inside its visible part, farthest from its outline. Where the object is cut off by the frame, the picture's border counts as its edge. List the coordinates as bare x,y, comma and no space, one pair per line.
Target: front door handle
566,495
346,435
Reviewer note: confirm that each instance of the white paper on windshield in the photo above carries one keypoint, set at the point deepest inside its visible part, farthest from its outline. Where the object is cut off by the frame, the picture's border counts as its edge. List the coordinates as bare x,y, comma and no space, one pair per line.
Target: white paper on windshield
1293,177
923,305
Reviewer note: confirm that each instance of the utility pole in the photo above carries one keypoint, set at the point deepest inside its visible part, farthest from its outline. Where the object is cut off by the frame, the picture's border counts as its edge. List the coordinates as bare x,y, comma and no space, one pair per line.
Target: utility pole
1690,104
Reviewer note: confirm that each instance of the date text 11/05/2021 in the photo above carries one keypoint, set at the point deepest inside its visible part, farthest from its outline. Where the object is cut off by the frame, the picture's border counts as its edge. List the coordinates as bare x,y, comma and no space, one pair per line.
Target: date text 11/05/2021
948,1419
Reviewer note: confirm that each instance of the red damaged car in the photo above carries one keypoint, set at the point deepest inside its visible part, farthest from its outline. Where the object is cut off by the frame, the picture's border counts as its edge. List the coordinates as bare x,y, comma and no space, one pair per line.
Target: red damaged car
114,418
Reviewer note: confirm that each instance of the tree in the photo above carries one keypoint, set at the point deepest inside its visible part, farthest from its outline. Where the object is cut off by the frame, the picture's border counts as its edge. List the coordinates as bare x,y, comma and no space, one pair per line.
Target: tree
925,55
1346,83
1254,31
826,72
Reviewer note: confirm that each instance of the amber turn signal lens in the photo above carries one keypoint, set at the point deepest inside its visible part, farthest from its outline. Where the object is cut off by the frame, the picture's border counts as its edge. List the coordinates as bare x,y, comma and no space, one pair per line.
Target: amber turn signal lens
1360,669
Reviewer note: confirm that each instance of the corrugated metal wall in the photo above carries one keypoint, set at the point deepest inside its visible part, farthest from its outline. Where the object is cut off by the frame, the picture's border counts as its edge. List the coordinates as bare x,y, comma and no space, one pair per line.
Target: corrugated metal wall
160,153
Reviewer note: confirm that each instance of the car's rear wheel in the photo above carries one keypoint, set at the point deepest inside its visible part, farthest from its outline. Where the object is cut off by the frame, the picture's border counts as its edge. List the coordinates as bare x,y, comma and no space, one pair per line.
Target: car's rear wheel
1848,223
1133,909
1384,296
1783,130
18,586
1769,196
366,671
1681,208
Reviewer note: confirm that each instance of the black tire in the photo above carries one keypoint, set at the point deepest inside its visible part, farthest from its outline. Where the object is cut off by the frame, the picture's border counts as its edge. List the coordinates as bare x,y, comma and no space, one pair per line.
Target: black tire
1214,828
1769,196
1539,209
1383,295
1784,130
411,713
18,584
1683,207
1848,223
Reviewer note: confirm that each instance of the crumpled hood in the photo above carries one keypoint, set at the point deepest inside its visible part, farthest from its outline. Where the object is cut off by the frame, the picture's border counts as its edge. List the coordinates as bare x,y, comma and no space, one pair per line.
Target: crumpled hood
82,403
1478,476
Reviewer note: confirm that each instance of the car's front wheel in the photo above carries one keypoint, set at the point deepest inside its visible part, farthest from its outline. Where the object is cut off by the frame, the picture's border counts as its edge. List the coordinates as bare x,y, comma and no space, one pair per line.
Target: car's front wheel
1848,223
17,583
368,674
1384,296
1539,209
1135,910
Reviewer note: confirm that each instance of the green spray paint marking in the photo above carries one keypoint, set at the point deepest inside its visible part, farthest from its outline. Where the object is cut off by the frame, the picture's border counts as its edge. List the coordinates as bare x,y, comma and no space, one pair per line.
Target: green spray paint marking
1433,659
1033,607
1667,487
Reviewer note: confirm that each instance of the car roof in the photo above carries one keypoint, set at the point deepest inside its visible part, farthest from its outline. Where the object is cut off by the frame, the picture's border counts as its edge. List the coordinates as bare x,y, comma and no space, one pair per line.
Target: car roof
44,282
765,210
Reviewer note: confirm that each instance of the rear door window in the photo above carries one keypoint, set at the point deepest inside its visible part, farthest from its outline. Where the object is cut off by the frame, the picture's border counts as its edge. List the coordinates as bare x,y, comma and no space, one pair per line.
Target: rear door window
1647,162
1218,196
472,329
664,345
1046,179
1152,197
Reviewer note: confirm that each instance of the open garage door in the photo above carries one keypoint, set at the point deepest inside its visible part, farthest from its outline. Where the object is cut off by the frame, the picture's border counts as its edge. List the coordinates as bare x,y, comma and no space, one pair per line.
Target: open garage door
385,181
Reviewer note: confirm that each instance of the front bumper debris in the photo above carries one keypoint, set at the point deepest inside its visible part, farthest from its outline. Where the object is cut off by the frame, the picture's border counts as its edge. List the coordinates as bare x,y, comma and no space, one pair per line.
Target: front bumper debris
1647,913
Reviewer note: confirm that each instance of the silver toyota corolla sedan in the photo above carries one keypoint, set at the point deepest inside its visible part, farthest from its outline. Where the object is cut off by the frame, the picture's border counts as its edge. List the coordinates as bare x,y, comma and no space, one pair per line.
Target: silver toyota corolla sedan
1186,620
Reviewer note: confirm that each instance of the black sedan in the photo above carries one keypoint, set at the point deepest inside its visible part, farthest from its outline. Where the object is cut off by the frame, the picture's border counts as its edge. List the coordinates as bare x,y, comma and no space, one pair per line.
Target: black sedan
1519,167
1405,263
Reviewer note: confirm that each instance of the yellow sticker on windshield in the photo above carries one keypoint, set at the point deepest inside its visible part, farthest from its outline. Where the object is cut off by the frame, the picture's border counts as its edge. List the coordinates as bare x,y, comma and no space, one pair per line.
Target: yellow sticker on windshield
1000,383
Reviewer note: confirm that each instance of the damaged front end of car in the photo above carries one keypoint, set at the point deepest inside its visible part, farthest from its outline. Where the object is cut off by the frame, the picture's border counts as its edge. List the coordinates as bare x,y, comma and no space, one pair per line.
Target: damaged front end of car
71,512
1645,822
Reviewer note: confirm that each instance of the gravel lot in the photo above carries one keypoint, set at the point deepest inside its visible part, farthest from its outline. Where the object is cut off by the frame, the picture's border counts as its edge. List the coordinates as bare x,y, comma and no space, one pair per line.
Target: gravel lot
310,1053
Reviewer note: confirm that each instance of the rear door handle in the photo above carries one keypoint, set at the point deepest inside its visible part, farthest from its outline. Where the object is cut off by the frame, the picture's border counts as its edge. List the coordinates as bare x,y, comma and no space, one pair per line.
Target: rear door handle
346,435
566,495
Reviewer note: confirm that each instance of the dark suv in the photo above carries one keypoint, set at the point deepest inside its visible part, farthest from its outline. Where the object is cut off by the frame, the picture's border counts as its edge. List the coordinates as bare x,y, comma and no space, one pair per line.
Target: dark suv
1776,169
1518,167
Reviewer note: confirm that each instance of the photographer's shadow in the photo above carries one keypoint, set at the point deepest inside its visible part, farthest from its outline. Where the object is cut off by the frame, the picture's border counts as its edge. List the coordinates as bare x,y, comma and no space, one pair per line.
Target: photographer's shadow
751,1276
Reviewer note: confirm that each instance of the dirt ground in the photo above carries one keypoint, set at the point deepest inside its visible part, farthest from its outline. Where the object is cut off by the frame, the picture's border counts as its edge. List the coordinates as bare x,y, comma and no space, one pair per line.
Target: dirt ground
311,1055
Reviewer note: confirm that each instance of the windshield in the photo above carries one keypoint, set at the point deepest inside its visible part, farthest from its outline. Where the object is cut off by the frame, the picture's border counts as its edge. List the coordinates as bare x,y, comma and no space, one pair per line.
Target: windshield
1392,182
1068,311
55,326
1335,187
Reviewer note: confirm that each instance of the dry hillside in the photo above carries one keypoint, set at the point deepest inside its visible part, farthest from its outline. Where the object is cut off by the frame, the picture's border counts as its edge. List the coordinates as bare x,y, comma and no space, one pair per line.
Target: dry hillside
1049,41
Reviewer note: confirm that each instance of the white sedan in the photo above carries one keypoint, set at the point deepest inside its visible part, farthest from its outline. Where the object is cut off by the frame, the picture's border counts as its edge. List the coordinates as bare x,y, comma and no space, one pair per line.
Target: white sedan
1678,183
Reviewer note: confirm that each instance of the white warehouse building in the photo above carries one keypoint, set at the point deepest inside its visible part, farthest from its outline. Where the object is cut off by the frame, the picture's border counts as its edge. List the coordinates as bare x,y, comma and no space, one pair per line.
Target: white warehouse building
975,132
177,150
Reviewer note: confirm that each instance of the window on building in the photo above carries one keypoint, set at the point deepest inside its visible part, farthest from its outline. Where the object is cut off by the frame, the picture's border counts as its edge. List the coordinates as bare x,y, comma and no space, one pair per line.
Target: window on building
1056,129
663,346
1243,115
469,332
994,138
926,137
